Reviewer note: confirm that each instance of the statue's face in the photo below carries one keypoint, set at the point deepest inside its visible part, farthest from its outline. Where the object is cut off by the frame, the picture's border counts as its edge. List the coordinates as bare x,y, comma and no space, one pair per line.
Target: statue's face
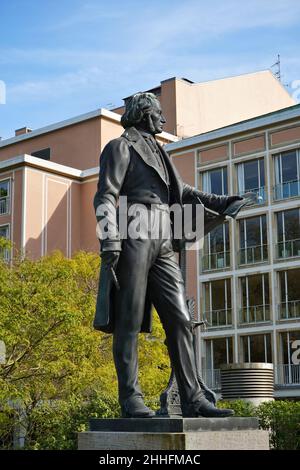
157,118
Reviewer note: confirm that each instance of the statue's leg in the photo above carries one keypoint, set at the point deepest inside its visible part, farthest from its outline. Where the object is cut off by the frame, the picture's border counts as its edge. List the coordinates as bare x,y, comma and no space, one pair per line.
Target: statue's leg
128,313
167,292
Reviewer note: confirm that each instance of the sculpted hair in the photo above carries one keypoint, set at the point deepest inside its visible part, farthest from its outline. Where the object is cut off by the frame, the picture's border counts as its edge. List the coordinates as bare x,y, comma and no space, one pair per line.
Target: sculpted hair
137,107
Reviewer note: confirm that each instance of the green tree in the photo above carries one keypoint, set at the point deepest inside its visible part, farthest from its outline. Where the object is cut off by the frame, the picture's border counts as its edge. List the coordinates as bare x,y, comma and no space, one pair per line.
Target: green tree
53,353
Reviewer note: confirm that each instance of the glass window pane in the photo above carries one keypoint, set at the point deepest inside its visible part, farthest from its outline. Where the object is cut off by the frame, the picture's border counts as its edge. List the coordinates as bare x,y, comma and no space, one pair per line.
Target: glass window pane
289,166
291,224
288,348
260,348
4,188
253,231
262,172
225,184
293,284
216,181
280,226
4,231
222,355
251,175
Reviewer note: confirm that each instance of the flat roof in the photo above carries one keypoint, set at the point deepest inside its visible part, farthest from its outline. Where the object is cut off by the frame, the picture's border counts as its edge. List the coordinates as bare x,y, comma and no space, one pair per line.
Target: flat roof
69,122
263,120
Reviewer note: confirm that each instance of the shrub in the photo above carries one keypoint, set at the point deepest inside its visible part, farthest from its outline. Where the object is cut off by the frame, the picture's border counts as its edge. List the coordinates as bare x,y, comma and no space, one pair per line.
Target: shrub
280,417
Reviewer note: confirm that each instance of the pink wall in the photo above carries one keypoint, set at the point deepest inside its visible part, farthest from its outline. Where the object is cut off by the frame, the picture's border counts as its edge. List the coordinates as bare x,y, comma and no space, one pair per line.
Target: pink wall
89,240
213,154
77,146
249,145
286,135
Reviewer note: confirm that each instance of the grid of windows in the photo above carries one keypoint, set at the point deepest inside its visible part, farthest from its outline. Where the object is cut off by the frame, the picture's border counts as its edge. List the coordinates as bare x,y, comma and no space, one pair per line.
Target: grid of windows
250,269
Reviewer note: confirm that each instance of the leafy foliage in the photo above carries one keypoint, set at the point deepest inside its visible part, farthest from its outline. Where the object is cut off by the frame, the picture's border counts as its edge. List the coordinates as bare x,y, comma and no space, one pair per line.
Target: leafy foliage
280,417
56,364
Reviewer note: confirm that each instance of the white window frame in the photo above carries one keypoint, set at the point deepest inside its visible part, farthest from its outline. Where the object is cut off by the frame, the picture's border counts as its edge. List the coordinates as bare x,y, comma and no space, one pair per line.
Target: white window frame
8,197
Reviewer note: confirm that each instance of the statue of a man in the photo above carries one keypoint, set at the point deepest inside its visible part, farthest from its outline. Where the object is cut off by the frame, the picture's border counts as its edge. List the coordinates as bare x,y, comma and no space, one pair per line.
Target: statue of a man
146,268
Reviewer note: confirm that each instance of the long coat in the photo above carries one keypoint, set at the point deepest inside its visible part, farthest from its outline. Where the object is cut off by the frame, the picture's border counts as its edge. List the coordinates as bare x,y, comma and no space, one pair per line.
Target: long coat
128,167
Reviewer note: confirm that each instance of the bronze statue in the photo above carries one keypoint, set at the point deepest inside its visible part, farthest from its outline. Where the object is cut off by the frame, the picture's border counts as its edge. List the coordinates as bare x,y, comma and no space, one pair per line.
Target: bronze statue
138,273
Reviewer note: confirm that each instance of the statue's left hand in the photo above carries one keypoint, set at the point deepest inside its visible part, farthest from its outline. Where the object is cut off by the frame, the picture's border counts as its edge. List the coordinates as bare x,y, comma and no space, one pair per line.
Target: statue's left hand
110,258
231,199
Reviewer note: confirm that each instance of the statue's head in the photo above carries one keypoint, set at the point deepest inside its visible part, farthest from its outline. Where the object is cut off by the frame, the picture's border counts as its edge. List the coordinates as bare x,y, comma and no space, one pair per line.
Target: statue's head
143,111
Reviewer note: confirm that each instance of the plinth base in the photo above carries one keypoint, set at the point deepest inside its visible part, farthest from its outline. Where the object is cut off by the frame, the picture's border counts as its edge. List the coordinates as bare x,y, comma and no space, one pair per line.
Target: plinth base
174,434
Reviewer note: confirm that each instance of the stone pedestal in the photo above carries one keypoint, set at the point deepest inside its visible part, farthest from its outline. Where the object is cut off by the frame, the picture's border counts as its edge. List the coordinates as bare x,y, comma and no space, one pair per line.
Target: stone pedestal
174,434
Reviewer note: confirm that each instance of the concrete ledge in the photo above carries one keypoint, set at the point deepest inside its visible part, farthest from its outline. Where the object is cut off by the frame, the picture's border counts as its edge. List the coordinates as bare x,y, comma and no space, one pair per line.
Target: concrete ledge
203,440
174,425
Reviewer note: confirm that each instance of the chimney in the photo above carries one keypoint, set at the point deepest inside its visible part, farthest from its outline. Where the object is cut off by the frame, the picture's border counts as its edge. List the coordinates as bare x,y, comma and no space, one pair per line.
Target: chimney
23,130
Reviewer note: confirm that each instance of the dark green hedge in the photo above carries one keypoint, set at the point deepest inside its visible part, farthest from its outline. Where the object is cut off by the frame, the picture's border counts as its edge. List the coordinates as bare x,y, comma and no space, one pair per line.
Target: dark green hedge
55,425
281,418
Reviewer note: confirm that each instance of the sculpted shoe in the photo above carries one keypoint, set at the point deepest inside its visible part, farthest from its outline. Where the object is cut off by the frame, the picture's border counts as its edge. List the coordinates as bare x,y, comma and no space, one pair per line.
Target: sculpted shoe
204,409
135,408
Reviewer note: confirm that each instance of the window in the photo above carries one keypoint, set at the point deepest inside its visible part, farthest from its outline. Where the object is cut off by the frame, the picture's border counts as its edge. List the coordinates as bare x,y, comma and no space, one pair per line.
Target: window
253,240
216,248
4,196
4,233
289,370
44,154
256,348
289,306
218,351
217,303
215,181
287,172
255,299
251,177
288,233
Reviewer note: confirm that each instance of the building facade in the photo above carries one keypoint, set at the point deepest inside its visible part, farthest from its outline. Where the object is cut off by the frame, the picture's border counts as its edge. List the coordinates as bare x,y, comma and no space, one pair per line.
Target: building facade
248,273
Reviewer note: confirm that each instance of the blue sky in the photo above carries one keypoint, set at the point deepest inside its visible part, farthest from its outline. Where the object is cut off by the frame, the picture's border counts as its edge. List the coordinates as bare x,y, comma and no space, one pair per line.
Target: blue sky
61,58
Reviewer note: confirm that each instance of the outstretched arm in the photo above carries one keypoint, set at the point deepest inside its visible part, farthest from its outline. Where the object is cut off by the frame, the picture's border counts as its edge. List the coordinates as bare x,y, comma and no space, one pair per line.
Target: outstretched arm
211,201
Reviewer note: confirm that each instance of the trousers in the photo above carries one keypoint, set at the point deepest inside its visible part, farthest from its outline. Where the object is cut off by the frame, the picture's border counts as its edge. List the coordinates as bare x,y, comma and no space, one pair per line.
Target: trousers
150,265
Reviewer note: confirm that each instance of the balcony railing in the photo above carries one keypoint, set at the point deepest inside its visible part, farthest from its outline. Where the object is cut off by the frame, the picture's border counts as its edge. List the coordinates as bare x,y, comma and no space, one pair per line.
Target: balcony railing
218,260
287,374
255,314
212,378
4,205
289,310
261,194
253,254
218,318
288,249
287,190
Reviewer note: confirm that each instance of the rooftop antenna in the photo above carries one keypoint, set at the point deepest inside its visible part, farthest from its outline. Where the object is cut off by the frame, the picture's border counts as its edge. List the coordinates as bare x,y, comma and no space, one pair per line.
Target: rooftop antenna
277,72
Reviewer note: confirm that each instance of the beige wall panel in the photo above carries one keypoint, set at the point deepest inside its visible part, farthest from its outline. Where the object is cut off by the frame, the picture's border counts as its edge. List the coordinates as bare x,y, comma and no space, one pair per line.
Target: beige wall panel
255,144
34,213
286,135
168,105
218,153
185,164
109,130
75,217
57,216
89,240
